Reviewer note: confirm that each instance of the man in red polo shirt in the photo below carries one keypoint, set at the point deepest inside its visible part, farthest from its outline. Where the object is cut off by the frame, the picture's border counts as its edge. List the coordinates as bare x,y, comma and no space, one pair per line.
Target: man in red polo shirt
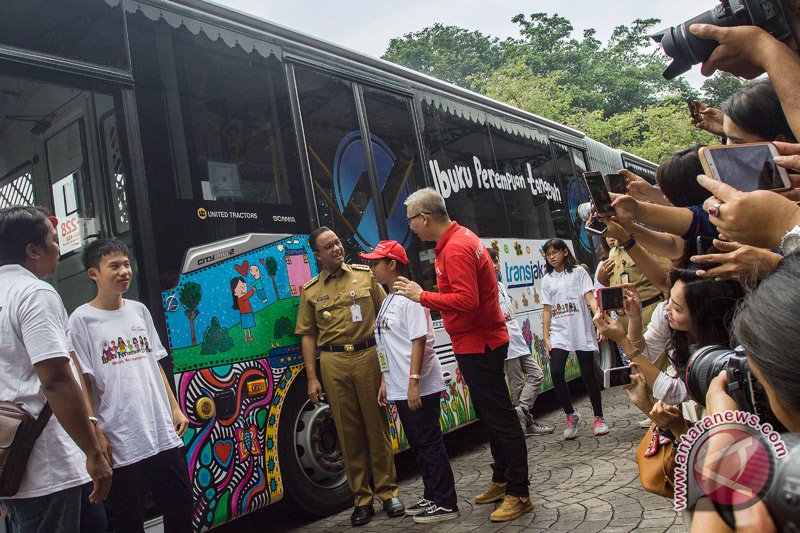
468,302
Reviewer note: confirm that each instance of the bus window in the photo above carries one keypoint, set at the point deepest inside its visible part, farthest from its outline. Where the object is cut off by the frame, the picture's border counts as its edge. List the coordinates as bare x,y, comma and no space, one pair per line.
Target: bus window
83,30
51,155
397,162
217,137
462,166
528,208
339,168
571,164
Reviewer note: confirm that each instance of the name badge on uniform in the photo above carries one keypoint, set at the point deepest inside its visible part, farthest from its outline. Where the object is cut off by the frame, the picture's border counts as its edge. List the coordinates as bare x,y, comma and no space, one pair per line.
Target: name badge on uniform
355,309
382,361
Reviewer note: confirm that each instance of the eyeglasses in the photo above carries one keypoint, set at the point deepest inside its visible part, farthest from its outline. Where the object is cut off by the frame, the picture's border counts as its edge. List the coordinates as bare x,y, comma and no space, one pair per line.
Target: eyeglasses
554,253
409,219
331,245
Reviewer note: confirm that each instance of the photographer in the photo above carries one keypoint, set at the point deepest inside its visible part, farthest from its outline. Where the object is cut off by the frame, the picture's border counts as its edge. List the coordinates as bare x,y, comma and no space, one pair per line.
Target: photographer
698,313
766,327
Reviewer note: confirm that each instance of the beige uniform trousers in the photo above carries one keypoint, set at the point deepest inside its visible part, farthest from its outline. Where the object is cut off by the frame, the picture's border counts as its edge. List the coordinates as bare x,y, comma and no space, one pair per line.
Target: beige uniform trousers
351,382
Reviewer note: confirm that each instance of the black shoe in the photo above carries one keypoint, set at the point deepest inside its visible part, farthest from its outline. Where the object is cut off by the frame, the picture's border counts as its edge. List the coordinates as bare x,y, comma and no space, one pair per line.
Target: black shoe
394,507
434,513
362,514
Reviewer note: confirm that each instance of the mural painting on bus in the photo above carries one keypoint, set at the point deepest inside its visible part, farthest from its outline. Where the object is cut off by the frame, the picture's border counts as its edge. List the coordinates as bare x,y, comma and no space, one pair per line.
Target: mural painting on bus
349,169
522,267
232,372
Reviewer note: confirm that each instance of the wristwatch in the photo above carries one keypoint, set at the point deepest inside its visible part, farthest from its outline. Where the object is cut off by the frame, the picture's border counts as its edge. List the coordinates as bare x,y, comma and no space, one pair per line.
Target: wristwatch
630,244
791,241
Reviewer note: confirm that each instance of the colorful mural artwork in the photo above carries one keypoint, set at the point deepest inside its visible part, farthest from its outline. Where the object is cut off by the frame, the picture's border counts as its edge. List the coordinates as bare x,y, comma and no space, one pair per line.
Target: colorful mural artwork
235,355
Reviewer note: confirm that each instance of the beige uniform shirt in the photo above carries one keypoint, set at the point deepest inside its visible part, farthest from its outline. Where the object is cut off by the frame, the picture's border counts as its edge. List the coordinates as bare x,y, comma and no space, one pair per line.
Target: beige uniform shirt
326,303
624,263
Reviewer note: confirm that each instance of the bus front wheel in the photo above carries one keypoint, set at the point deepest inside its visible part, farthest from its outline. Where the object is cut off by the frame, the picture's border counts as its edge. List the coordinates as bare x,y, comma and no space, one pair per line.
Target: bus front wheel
311,460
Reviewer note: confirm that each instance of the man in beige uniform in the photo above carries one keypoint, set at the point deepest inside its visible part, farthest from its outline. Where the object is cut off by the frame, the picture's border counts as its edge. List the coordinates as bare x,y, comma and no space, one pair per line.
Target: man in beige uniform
337,312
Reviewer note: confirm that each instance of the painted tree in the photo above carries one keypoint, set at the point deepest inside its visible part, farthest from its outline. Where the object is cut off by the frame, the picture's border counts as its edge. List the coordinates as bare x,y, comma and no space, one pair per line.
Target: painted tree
190,296
272,269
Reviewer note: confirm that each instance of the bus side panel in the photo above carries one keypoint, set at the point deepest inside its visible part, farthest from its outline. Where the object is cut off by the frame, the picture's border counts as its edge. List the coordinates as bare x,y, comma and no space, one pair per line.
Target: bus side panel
232,370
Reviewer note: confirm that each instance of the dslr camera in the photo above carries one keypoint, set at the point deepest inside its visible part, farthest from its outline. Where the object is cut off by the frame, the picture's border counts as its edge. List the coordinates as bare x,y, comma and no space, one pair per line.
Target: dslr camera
783,496
686,49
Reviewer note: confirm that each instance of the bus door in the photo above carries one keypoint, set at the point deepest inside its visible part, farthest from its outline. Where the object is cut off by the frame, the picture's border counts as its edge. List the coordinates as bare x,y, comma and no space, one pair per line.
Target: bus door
60,148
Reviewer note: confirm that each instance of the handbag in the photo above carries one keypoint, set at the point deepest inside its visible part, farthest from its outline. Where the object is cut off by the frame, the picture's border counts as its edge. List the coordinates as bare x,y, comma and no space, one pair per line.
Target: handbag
656,459
18,433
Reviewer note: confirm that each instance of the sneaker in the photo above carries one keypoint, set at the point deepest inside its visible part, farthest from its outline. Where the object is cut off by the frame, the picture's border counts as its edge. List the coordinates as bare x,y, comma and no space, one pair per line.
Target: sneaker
535,428
418,508
572,425
600,426
435,513
494,492
511,508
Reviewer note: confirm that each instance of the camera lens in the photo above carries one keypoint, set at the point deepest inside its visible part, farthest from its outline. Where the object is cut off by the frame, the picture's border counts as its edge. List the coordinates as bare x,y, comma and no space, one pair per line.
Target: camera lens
704,365
585,210
686,49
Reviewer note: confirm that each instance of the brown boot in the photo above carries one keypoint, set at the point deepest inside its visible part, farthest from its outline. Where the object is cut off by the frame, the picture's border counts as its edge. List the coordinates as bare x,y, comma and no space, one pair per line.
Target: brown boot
494,492
511,508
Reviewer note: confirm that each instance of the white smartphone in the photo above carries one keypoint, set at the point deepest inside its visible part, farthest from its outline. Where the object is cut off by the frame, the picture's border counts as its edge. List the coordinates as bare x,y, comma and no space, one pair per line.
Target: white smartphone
746,167
616,377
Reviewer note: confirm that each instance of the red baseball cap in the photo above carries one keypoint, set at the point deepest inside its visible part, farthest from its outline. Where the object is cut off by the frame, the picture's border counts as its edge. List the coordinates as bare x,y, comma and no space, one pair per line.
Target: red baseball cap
387,249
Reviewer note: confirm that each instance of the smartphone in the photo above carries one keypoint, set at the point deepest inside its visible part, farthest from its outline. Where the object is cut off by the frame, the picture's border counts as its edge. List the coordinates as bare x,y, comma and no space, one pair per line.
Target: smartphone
615,377
746,167
692,109
596,226
617,183
705,245
599,193
610,298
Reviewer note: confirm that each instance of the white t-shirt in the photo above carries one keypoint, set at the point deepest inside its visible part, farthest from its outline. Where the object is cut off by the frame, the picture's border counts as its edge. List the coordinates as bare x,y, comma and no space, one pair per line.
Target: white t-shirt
669,387
399,322
571,326
120,351
517,347
33,328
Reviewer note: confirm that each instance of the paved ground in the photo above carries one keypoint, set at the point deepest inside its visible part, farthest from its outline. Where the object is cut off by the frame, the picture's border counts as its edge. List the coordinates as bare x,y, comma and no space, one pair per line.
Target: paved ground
587,485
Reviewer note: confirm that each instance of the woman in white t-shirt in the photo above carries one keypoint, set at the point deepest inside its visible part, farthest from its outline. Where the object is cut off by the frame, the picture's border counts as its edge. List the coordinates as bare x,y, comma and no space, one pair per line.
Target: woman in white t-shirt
567,295
412,379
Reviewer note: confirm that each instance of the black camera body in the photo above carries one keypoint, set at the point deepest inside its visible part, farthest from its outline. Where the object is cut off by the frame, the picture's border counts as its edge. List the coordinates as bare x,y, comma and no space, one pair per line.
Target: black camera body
707,362
686,49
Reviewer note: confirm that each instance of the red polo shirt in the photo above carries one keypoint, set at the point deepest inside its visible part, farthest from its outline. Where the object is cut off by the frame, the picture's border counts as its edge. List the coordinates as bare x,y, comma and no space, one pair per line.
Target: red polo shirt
467,297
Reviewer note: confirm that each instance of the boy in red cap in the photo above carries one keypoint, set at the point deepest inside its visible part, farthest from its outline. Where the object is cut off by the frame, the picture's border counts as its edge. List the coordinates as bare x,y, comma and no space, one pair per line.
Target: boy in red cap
412,379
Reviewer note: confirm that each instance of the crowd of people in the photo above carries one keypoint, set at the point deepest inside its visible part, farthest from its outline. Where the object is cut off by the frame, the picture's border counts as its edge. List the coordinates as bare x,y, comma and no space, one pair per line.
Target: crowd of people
116,428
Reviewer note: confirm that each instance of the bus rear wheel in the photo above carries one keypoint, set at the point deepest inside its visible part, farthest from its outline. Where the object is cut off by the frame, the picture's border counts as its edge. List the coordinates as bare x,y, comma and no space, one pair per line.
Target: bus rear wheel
311,460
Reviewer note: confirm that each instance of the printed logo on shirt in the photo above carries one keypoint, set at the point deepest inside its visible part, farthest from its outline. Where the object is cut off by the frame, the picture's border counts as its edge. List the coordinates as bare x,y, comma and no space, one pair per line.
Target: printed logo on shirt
479,250
121,350
565,309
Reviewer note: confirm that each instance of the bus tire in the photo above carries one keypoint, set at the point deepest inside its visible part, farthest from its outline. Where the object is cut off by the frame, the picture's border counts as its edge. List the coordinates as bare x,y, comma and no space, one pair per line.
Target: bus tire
311,462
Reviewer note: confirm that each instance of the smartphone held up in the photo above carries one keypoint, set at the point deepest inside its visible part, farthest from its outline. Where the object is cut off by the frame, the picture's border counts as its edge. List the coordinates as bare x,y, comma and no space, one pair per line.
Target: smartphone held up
598,191
616,377
746,167
610,298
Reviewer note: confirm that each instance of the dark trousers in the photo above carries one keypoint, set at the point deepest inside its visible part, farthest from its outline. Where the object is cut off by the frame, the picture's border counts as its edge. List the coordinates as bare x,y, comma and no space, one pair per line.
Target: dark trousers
558,362
425,438
54,513
166,476
484,375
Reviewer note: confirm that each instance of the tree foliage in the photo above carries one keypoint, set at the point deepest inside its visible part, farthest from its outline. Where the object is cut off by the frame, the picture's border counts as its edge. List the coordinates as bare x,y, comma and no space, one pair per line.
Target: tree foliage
613,91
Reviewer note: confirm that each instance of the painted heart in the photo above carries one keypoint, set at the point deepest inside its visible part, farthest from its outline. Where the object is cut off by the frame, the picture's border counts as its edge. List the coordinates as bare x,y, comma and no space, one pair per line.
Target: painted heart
242,269
262,260
222,452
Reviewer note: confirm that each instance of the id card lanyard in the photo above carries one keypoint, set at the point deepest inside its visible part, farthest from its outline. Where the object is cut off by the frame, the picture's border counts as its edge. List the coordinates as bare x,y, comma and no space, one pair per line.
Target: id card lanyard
355,309
382,359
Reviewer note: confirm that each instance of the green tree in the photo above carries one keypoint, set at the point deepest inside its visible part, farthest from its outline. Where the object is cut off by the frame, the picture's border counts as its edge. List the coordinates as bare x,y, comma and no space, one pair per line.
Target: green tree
216,338
719,88
190,295
283,327
272,269
449,53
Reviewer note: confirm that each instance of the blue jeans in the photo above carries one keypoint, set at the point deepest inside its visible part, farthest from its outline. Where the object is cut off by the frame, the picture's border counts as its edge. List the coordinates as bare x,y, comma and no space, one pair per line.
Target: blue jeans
59,512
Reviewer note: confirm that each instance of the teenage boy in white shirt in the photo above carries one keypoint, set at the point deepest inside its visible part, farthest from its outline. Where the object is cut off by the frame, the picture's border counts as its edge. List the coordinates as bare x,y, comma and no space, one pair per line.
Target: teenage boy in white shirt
136,411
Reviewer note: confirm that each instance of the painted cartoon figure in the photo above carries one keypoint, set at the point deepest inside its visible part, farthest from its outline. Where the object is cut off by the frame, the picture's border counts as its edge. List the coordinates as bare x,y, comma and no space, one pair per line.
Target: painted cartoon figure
536,297
241,302
258,284
121,346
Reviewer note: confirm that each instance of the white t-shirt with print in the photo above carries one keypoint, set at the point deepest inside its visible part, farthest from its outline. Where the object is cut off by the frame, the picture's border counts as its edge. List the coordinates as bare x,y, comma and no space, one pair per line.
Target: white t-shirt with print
517,347
33,329
399,322
571,326
120,350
